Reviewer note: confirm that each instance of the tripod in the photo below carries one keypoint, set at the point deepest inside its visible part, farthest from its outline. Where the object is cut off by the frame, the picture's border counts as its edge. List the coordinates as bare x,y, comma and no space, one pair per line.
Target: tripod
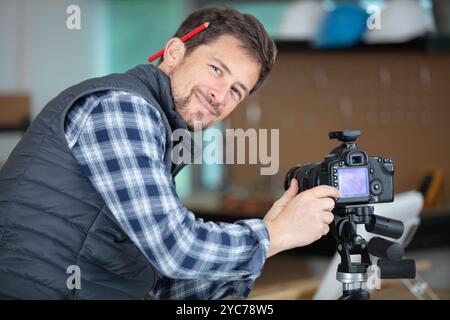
391,265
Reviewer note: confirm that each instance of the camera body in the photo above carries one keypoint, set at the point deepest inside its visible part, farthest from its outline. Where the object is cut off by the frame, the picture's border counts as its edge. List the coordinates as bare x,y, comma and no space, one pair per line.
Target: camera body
360,178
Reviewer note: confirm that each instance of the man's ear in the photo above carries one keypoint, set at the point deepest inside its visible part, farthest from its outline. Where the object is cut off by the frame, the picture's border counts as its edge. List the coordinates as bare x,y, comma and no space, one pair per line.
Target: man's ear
174,52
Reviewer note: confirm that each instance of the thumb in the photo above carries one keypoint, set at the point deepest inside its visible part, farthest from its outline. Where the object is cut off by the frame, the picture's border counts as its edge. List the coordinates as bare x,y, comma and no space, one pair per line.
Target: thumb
290,193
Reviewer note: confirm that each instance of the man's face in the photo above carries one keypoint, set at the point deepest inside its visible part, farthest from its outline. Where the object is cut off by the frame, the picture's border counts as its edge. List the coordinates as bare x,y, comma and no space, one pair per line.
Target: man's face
212,80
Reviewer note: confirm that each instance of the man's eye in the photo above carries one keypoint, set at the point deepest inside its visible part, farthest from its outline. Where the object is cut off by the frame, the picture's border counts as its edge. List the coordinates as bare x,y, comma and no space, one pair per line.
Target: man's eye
216,69
237,92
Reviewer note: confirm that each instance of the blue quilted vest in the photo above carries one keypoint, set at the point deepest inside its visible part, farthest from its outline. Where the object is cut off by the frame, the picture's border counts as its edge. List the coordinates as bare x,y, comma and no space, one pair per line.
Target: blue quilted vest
51,217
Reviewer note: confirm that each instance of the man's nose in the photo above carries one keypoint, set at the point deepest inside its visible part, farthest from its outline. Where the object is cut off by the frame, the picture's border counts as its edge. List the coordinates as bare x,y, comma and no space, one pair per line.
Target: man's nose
219,94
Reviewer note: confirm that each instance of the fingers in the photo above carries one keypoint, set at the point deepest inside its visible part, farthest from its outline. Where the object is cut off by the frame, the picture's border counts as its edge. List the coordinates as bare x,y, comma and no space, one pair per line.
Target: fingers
327,204
324,191
289,193
293,188
325,229
327,217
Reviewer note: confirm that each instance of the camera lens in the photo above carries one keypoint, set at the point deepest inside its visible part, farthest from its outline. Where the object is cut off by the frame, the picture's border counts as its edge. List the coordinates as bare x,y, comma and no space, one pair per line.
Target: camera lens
307,176
289,176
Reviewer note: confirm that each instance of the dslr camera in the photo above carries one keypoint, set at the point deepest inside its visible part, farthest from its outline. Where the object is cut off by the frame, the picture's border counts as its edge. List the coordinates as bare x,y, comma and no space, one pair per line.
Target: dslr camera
360,178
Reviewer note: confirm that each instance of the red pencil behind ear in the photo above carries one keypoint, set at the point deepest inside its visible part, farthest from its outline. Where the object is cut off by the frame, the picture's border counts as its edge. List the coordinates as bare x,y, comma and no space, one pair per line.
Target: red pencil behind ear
184,38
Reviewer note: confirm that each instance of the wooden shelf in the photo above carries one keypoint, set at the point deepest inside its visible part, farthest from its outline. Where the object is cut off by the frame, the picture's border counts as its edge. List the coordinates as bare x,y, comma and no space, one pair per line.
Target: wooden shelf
436,44
14,112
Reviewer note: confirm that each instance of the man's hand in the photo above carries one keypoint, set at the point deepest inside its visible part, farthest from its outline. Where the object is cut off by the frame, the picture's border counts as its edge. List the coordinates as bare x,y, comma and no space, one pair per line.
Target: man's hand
297,220
281,203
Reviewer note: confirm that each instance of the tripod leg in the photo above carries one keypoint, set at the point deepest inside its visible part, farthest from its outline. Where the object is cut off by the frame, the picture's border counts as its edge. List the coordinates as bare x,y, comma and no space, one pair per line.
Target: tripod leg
355,295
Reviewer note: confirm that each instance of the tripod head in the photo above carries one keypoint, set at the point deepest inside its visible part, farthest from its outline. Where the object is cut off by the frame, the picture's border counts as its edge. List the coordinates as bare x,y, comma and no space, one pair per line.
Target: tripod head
391,265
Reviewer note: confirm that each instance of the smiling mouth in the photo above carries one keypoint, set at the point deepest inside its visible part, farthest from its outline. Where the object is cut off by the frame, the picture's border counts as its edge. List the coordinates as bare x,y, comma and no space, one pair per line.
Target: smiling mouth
205,104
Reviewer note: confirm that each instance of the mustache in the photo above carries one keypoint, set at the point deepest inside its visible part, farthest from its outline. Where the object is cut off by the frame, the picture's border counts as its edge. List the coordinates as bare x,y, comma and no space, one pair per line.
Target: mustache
215,105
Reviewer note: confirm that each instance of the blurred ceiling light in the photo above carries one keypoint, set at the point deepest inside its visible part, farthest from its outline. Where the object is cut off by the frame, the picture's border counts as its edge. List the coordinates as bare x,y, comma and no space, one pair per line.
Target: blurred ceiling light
302,20
401,21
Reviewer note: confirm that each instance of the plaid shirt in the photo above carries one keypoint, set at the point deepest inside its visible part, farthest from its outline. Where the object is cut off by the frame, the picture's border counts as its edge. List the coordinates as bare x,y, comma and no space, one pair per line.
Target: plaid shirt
118,139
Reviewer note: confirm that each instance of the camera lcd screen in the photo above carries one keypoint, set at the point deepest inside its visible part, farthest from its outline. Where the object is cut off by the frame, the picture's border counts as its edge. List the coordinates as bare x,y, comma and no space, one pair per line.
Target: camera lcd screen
353,182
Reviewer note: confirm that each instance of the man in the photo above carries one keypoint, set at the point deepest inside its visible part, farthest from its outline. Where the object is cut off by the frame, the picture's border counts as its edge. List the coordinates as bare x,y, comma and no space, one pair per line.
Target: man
88,208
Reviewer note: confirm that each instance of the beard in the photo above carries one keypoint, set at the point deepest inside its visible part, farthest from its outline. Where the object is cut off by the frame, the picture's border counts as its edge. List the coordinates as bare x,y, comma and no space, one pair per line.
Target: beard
195,120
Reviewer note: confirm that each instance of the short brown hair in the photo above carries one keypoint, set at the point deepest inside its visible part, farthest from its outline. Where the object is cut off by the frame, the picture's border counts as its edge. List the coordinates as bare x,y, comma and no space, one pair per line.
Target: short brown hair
228,21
